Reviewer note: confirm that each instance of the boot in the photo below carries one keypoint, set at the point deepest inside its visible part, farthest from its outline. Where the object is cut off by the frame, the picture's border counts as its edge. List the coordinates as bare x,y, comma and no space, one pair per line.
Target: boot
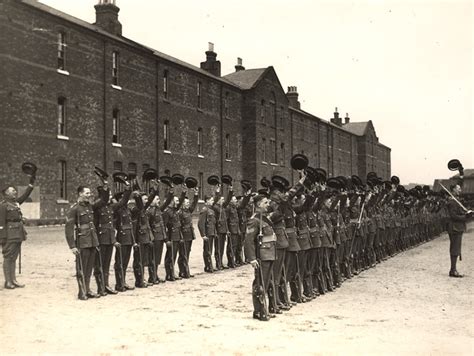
13,275
108,290
152,276
100,285
7,273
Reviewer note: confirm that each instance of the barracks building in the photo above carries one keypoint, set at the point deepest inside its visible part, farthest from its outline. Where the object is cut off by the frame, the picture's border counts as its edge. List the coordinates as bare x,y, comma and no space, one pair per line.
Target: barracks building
77,95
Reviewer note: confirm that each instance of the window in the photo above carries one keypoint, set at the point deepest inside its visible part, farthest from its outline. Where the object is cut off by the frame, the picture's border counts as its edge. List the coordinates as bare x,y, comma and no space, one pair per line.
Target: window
282,119
116,126
273,152
201,185
262,111
227,146
61,50
62,180
145,166
226,105
199,141
264,153
115,68
132,169
273,109
199,95
165,84
118,166
282,155
166,136
62,116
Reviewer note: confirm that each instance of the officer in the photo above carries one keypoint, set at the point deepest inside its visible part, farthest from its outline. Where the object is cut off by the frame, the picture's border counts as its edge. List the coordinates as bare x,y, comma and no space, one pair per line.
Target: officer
458,217
81,236
12,231
187,234
260,251
208,231
103,220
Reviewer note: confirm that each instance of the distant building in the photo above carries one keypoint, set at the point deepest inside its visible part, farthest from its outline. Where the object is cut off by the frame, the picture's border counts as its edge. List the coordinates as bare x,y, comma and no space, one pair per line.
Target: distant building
78,95
467,184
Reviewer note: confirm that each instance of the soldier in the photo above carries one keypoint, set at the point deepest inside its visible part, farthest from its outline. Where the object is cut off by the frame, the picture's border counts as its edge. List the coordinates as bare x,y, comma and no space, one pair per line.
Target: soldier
208,232
81,236
143,254
187,233
260,251
234,246
457,226
12,231
126,238
155,219
104,221
220,205
172,223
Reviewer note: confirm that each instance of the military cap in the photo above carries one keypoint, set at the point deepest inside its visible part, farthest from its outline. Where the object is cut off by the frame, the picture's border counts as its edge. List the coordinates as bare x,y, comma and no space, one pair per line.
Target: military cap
280,182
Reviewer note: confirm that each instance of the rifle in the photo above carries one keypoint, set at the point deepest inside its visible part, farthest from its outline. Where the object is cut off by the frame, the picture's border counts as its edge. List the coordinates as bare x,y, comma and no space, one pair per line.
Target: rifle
119,250
81,280
185,249
357,227
101,270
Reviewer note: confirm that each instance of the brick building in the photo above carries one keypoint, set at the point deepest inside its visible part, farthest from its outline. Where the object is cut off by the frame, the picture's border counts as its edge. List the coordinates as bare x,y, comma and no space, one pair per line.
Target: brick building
77,95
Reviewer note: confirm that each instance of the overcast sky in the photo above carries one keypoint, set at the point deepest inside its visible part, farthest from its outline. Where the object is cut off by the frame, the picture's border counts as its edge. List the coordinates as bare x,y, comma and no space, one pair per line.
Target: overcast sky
405,65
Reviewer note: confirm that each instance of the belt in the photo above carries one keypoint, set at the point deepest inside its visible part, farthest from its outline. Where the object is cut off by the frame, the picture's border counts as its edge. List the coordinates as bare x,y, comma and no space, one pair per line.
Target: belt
313,229
269,238
84,226
290,230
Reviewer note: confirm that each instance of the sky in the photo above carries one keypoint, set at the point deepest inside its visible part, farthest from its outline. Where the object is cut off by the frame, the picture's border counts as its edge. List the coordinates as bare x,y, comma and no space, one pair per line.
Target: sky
405,65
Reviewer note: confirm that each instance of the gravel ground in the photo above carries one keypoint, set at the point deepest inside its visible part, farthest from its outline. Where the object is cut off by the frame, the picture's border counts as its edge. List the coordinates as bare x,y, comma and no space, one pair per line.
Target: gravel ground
406,305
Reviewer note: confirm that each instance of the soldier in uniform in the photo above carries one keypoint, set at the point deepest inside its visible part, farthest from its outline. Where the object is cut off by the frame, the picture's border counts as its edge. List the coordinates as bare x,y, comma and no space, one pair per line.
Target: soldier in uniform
235,246
104,221
81,236
126,238
12,231
260,251
220,205
457,226
155,219
172,222
208,232
187,233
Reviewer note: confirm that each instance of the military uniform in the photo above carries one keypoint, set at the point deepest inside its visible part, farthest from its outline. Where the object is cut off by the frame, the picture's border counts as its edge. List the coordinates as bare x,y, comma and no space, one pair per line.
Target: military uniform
265,253
81,233
155,219
456,228
12,234
104,221
222,230
187,232
207,228
172,223
234,245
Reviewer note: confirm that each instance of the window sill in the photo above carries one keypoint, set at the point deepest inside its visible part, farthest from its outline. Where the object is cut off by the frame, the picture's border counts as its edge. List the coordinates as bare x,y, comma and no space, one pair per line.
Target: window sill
117,87
199,110
201,201
200,156
61,137
62,201
167,152
228,160
62,71
263,162
166,100
273,164
116,144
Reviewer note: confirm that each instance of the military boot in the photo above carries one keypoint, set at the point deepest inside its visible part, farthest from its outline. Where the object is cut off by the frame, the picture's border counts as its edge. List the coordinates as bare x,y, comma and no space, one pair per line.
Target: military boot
7,273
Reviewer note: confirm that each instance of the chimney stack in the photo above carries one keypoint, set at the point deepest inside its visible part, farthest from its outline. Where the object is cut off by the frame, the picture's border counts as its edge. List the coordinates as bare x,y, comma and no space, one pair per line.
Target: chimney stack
106,17
336,119
292,96
211,65
239,65
347,119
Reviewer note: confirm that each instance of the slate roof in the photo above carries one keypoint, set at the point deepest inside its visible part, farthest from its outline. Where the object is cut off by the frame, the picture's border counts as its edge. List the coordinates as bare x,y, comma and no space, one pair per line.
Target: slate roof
246,79
48,9
357,128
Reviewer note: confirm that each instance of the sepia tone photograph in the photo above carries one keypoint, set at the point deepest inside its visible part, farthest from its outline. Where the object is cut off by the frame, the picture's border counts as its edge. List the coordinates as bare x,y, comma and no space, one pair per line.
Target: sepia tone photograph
236,178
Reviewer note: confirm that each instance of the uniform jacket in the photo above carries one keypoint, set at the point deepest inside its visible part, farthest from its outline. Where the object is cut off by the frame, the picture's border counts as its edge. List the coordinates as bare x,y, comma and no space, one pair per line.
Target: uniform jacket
80,229
142,229
221,215
457,217
155,218
104,217
207,222
267,249
232,212
11,220
186,216
172,220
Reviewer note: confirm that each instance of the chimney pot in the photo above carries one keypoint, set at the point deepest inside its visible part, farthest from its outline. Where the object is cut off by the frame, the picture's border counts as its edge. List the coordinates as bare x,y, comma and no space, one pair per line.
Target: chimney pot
211,47
106,17
211,65
239,65
347,119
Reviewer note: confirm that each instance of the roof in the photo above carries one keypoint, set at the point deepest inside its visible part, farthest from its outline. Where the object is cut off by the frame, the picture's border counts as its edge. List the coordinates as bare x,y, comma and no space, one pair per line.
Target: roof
246,79
357,128
468,173
467,184
54,12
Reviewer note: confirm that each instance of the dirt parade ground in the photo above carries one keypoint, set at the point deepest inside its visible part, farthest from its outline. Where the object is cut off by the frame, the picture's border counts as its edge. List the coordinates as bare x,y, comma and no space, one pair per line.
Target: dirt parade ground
406,305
